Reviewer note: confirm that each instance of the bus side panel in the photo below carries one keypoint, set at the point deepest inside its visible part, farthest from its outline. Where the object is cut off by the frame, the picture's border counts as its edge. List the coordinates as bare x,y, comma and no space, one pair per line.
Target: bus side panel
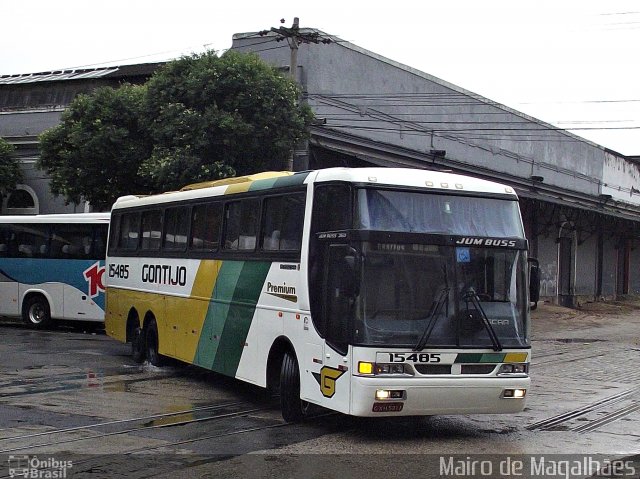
230,314
79,305
115,318
9,305
188,314
278,305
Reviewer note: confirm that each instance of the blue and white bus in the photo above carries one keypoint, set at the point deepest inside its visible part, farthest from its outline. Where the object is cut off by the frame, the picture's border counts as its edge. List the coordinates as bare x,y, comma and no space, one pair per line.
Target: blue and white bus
52,267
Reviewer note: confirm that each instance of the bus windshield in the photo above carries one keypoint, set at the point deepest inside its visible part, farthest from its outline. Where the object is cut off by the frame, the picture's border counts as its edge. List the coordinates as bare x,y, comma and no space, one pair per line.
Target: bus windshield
418,212
417,295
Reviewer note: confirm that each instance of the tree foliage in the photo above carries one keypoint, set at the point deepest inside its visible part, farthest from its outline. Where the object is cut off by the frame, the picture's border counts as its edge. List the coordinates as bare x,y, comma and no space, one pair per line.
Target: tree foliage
199,118
95,152
10,172
212,117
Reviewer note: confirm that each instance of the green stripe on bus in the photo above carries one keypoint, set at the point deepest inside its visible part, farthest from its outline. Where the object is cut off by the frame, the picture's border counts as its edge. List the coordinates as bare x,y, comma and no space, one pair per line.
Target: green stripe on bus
279,182
263,184
230,314
293,180
217,313
470,358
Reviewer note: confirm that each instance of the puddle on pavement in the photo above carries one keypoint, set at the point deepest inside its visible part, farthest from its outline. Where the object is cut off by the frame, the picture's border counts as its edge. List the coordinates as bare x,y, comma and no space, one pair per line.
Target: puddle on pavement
175,415
579,340
72,382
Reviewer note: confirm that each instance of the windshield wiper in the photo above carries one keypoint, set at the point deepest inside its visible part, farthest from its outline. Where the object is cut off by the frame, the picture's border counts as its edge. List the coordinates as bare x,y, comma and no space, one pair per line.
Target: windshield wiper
432,318
471,294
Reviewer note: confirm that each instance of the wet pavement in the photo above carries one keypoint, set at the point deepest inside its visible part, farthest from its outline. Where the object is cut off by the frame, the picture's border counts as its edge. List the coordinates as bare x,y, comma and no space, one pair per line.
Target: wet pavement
71,395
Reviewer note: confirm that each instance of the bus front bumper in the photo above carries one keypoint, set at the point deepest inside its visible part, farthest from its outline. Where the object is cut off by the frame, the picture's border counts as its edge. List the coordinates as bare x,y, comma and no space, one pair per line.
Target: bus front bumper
412,396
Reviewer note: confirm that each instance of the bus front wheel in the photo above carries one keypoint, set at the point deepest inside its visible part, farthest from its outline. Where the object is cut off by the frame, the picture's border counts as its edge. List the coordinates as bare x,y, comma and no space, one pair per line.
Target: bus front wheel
291,404
36,312
151,344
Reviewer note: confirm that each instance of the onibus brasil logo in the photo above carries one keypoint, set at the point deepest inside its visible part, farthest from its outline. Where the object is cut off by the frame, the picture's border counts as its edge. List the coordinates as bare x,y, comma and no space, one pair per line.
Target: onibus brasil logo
94,274
34,467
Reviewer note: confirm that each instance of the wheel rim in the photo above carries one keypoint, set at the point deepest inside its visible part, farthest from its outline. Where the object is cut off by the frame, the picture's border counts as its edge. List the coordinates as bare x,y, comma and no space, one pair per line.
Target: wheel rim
37,313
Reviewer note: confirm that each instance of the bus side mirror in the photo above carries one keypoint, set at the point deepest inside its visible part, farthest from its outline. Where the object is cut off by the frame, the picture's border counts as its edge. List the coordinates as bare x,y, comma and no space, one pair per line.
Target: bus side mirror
534,282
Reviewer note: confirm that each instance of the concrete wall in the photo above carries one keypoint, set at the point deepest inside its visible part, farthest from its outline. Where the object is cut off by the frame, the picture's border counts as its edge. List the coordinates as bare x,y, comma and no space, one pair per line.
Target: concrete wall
548,258
609,267
586,267
634,274
621,179
373,97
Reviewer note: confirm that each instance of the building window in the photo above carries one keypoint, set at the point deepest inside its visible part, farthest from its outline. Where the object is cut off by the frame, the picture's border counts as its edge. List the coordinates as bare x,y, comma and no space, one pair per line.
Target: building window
22,201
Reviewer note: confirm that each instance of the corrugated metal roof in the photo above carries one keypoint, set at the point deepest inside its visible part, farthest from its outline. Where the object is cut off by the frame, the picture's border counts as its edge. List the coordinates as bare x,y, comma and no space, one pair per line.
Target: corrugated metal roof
59,75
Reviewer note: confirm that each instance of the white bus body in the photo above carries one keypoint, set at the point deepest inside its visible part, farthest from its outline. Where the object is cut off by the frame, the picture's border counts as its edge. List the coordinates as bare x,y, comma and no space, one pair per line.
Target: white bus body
371,291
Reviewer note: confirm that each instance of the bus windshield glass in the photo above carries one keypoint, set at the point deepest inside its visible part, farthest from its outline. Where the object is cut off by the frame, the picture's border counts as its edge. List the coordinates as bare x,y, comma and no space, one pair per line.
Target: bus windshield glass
415,212
419,293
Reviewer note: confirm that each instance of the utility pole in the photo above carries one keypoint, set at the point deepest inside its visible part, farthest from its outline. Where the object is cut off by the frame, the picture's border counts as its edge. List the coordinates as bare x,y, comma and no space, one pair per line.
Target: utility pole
294,38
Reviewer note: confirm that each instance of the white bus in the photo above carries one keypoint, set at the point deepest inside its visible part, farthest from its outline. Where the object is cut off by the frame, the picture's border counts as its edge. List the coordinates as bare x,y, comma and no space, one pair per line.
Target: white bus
52,267
369,291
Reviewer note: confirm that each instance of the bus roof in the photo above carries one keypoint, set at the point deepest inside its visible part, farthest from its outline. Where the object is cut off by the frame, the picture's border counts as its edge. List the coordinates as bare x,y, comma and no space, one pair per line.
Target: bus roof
57,218
407,177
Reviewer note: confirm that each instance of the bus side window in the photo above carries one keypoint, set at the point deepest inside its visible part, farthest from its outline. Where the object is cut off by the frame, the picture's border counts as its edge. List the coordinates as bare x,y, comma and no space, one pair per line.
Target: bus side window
5,240
99,242
205,227
151,230
30,239
71,241
129,231
282,223
176,228
241,224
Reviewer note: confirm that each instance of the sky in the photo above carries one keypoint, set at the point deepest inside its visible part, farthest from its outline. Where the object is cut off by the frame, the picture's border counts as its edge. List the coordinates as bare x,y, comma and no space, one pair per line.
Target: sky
572,63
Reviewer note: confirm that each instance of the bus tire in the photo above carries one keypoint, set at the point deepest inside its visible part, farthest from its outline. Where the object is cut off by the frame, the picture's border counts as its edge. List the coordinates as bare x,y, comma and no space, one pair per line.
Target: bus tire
290,402
36,312
138,347
151,344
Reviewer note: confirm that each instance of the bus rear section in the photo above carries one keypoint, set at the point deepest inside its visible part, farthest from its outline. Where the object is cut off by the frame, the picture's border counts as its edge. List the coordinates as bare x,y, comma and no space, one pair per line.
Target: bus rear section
52,266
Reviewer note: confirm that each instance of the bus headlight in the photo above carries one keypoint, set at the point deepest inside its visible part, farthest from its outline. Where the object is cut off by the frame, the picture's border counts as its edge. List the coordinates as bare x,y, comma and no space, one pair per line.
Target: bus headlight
367,368
382,394
389,369
514,393
517,368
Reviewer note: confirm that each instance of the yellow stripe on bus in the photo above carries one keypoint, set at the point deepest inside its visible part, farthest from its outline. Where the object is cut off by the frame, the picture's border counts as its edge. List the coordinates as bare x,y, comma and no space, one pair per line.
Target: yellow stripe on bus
515,358
194,310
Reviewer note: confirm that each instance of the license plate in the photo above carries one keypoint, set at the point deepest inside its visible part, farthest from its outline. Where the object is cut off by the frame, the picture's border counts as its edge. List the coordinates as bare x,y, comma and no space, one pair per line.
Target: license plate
387,406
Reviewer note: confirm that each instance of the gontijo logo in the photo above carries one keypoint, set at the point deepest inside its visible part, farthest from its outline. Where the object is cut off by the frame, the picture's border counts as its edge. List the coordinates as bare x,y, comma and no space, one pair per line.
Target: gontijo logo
94,274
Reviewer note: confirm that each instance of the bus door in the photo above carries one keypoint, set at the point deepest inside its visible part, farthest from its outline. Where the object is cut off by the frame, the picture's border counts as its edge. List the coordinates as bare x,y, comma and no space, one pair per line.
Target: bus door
339,295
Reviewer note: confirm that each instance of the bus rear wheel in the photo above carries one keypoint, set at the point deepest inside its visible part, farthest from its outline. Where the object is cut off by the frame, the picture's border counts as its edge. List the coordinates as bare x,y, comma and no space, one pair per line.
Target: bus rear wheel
36,312
151,344
293,408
